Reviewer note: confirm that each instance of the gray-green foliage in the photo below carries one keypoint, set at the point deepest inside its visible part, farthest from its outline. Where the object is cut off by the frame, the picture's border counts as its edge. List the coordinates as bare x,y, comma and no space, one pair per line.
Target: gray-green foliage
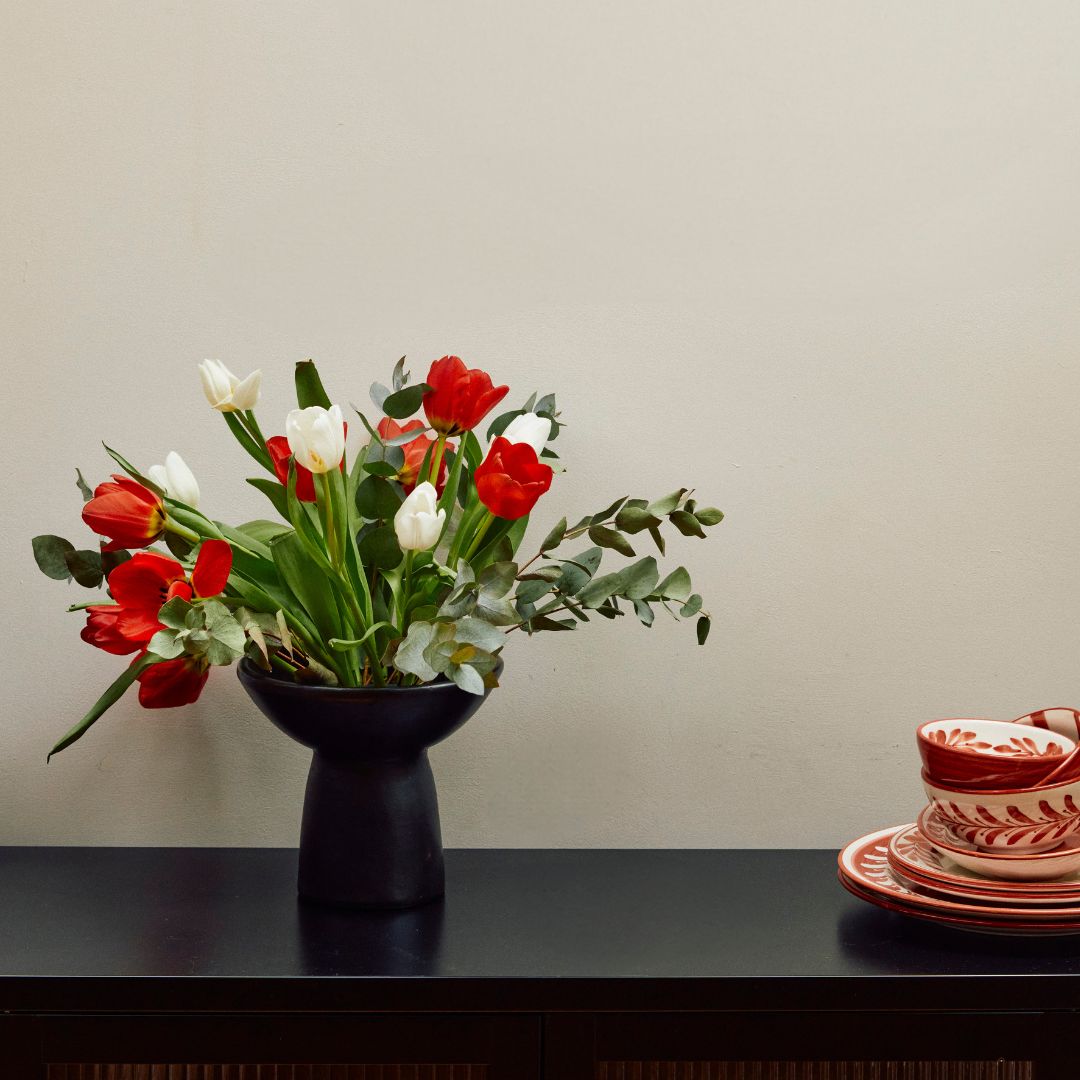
556,593
206,629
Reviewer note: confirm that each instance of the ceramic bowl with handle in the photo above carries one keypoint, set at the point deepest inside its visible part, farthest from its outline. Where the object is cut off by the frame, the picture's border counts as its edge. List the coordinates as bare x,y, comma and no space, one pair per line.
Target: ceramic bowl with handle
989,753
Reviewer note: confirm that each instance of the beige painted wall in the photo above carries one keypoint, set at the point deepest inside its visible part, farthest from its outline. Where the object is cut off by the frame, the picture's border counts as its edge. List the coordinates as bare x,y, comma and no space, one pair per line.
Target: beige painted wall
820,260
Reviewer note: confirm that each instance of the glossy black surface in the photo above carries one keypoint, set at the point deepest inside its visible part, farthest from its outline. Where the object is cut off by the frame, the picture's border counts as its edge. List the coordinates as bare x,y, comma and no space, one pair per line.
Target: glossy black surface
370,834
116,928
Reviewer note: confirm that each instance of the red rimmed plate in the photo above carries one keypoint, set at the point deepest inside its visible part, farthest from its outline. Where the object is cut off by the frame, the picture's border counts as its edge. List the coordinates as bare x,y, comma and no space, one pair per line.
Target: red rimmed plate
864,863
913,854
977,926
923,868
1023,866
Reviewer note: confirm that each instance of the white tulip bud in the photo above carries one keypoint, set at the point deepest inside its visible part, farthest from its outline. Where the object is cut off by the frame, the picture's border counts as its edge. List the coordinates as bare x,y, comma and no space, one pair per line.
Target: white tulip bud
529,428
176,479
316,437
225,391
418,523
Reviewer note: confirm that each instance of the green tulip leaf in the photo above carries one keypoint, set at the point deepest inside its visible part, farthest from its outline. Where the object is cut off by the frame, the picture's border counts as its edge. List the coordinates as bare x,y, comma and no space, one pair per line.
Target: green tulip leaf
263,531
106,701
274,491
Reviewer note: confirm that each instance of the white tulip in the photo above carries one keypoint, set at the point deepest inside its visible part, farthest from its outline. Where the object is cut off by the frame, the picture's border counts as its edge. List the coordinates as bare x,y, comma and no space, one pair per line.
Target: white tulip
529,428
316,437
417,524
225,391
176,479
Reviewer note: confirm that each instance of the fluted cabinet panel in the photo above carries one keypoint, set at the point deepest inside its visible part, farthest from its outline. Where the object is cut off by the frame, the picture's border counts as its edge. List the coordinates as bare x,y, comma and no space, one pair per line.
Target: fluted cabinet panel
814,1070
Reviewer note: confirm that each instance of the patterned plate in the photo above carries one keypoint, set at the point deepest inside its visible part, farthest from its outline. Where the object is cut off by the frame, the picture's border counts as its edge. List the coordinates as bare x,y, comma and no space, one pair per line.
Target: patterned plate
865,864
980,892
976,926
913,855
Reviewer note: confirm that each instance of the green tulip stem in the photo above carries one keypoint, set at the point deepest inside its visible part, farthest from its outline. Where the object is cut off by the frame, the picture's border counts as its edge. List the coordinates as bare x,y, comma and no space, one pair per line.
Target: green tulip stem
406,591
326,502
485,524
174,526
462,530
436,459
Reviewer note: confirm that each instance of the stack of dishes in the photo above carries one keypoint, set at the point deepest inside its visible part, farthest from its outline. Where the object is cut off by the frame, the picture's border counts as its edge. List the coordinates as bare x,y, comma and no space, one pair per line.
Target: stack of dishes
997,849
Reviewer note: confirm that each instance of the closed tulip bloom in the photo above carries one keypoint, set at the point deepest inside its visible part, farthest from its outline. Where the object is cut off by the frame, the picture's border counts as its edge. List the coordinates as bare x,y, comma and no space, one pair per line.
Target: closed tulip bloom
130,515
176,479
510,479
173,682
225,391
418,523
316,437
529,428
459,397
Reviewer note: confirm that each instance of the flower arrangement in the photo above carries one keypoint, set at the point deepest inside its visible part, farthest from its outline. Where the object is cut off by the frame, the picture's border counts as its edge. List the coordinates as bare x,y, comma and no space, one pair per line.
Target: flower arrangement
399,568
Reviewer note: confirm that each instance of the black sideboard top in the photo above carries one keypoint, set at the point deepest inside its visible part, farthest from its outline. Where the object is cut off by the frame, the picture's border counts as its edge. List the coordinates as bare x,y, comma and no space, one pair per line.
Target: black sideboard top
159,929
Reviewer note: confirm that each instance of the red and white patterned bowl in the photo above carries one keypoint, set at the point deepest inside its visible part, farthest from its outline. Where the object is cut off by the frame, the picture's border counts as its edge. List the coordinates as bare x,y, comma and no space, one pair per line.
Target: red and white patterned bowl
989,753
1017,820
1033,866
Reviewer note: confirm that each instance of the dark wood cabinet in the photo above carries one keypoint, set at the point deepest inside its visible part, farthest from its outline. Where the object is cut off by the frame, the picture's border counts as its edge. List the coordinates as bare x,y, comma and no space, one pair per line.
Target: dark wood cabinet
200,964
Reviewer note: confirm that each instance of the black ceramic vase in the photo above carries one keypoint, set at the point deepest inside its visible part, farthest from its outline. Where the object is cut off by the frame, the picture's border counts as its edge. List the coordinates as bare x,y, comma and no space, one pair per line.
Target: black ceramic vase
370,833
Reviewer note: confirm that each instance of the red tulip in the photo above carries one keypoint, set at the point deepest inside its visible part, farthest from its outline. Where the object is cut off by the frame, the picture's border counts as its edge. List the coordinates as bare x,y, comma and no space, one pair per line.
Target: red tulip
173,682
280,454
415,452
459,397
131,515
511,478
142,584
101,630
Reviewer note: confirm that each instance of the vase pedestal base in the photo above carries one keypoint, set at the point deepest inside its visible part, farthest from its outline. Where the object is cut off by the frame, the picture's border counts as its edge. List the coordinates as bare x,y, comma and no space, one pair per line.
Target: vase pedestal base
370,835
